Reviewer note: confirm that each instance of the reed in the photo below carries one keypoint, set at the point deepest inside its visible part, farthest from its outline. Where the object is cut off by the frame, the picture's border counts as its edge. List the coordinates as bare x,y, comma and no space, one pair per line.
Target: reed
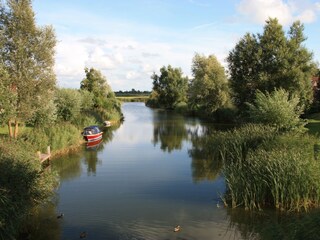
57,136
23,184
271,170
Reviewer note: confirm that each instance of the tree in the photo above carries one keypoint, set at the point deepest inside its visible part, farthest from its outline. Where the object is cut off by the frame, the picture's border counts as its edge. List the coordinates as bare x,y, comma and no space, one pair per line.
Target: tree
28,55
170,88
68,102
271,60
97,84
277,109
208,90
104,100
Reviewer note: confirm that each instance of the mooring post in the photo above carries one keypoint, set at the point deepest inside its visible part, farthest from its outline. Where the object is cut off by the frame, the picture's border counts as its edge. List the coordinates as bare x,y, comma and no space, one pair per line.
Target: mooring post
39,154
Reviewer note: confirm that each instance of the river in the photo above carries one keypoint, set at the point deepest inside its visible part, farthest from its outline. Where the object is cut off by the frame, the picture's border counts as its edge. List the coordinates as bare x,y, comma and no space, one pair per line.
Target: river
145,177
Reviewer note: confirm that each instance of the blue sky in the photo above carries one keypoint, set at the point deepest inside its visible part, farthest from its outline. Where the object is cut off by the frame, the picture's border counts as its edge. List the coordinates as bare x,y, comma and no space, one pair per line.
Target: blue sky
128,40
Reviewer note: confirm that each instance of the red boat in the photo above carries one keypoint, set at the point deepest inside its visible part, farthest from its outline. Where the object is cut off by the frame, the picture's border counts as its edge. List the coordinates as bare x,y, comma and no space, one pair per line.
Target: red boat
92,133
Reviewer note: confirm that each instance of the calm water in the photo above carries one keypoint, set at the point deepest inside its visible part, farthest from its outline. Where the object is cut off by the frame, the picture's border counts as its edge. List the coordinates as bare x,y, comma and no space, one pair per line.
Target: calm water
146,177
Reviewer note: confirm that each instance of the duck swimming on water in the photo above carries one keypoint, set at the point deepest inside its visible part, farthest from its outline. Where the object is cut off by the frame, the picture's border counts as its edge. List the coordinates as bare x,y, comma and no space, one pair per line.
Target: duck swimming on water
177,228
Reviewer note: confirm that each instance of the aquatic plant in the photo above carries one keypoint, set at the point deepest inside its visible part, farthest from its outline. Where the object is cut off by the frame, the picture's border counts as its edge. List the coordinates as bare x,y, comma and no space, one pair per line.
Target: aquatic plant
273,170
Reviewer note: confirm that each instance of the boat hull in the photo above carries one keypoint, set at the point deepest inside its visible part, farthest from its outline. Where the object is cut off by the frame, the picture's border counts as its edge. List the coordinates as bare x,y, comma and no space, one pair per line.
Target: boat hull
93,137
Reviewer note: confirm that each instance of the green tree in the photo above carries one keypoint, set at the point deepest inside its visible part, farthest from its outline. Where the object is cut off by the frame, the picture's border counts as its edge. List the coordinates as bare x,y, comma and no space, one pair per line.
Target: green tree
68,102
28,54
208,90
97,84
170,88
277,109
104,100
271,60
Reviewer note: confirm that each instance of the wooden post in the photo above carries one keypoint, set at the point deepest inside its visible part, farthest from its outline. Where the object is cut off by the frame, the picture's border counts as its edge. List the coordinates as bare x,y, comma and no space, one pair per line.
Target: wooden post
39,155
48,150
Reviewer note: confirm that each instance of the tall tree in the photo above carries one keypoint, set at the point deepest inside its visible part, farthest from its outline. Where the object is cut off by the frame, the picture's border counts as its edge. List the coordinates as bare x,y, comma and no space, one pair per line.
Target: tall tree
269,61
28,55
170,88
208,89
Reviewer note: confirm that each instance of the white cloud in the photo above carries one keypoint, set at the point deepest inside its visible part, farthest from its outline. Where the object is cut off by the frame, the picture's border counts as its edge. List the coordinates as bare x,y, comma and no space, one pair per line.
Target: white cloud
286,11
132,75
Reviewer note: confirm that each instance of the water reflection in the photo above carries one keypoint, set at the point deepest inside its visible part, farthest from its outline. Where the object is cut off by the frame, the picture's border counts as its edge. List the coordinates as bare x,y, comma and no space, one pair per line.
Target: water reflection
169,130
42,224
269,225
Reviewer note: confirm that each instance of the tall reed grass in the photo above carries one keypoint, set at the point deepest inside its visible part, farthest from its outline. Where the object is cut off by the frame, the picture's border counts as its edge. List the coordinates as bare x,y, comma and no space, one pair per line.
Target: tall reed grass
22,185
264,168
57,137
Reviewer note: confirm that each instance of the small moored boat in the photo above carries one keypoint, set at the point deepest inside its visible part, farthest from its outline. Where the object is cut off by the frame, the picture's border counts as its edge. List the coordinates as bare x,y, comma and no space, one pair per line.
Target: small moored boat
92,133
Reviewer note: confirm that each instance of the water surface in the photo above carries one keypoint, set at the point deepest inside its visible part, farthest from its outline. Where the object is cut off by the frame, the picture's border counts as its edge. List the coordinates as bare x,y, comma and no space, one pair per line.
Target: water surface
146,176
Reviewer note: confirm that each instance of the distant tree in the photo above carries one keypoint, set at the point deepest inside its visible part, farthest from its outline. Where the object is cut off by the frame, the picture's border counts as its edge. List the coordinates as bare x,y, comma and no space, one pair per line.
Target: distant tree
104,99
170,88
97,84
208,90
28,56
271,60
277,109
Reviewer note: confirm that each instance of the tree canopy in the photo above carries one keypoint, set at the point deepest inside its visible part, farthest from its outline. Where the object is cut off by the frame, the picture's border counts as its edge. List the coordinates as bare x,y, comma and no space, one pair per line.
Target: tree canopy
208,90
169,88
27,54
271,60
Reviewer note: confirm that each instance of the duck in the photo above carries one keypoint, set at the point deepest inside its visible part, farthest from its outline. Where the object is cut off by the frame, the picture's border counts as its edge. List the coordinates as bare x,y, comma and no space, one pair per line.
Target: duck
177,228
83,235
60,216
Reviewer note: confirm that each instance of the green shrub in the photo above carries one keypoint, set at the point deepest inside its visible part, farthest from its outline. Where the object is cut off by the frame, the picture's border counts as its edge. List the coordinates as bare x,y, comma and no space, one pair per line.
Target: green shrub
277,109
22,185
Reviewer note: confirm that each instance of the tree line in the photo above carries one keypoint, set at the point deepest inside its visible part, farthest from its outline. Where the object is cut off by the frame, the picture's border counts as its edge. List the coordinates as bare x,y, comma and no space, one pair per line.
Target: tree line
258,64
28,90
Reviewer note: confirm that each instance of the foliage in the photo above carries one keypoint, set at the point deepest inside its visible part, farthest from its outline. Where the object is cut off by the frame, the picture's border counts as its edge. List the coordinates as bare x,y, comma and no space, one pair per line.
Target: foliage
271,61
23,184
277,109
86,100
97,84
263,168
208,90
7,97
45,115
28,57
104,100
68,102
169,88
58,136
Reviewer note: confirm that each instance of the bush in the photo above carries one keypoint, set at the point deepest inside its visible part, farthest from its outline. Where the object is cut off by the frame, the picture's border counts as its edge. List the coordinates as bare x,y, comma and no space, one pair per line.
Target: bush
22,185
277,109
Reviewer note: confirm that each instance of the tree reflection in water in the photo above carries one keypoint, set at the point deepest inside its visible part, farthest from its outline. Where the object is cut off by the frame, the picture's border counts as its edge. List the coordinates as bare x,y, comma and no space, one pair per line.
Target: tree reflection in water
205,153
169,130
